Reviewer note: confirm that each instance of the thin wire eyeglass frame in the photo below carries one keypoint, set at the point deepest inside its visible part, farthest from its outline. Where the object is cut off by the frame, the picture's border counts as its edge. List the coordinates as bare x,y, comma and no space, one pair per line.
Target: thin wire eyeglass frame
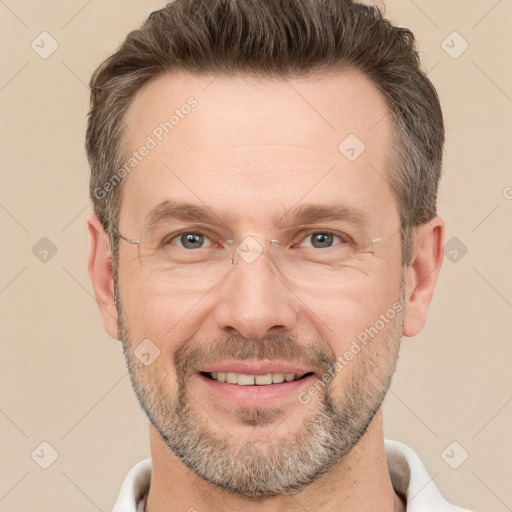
231,242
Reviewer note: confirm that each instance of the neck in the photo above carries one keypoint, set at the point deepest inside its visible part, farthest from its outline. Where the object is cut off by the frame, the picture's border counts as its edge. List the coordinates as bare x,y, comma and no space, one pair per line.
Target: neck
360,482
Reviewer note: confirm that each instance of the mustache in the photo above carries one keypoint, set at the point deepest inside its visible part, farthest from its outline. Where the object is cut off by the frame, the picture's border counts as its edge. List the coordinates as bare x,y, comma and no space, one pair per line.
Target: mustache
317,357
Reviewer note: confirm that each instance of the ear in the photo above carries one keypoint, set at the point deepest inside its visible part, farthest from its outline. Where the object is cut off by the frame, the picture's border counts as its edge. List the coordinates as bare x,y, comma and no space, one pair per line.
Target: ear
421,275
100,271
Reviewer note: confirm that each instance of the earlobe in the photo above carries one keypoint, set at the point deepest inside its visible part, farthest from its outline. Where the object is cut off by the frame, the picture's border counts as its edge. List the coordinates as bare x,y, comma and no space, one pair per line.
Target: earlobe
421,275
100,271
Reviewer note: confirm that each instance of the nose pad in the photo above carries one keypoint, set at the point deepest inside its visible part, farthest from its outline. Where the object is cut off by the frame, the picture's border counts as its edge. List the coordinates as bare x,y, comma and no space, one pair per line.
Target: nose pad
250,249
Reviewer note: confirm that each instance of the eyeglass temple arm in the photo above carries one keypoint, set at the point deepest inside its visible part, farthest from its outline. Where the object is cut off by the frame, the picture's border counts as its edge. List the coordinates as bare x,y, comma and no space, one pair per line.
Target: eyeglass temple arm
116,233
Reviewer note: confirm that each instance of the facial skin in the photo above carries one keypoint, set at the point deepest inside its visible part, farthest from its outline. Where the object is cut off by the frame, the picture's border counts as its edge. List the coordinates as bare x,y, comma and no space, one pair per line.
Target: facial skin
253,149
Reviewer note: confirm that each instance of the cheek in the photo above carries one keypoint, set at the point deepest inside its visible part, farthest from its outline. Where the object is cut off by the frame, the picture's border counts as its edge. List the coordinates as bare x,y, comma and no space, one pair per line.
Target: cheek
153,312
352,323
341,316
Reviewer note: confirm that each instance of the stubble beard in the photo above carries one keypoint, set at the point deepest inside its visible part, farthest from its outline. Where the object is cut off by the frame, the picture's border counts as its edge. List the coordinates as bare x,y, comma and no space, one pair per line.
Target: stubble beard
271,466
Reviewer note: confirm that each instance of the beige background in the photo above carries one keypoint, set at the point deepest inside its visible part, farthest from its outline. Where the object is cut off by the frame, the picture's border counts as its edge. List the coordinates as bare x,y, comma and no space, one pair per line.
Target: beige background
63,380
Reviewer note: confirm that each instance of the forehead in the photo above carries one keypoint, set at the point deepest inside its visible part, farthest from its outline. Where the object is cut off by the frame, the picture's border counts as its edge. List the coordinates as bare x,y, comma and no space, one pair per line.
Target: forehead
251,149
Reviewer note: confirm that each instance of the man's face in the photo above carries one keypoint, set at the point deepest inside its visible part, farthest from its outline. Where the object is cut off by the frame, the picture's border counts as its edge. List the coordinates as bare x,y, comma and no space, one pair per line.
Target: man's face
252,152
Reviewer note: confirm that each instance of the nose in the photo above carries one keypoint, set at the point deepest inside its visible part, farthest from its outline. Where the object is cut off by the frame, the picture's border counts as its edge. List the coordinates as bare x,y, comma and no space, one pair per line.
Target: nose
255,298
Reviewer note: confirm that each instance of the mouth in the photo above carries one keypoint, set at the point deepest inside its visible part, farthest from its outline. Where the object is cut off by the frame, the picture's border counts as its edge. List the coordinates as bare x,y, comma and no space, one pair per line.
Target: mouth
251,383
247,379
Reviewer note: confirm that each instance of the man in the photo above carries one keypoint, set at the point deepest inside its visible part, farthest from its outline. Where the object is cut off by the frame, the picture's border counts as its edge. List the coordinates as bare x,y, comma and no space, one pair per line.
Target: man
264,178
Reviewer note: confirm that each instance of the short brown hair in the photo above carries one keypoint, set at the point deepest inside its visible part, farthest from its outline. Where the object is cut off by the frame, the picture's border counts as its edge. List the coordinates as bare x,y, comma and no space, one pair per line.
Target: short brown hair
275,38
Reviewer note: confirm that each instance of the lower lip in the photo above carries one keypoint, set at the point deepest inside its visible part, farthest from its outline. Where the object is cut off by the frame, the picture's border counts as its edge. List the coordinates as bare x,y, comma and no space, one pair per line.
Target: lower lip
256,395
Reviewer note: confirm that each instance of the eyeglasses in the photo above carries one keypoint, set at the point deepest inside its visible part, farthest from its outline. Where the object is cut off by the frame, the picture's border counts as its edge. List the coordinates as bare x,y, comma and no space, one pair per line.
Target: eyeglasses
197,256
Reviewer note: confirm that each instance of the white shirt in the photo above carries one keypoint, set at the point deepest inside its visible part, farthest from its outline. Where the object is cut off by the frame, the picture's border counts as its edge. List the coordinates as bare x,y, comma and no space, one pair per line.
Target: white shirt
408,476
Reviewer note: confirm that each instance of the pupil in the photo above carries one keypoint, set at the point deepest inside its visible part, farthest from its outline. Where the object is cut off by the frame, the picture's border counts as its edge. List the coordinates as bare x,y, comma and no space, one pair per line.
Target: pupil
193,239
325,240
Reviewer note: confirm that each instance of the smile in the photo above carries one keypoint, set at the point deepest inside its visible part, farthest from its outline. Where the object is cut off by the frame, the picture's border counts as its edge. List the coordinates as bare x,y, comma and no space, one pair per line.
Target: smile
244,379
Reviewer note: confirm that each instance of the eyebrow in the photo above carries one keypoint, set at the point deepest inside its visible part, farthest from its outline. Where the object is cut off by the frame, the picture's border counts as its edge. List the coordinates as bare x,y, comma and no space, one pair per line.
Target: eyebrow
301,214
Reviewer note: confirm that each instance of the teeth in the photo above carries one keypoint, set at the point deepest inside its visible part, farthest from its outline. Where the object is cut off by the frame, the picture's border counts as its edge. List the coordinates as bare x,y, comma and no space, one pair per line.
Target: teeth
232,378
263,380
243,379
277,378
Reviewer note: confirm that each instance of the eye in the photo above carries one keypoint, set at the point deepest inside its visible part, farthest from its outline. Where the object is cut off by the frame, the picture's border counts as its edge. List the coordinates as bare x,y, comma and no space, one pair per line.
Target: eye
187,240
323,239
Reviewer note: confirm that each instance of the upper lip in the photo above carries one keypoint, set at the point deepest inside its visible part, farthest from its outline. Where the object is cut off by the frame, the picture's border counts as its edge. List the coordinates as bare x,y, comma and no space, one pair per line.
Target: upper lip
254,368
